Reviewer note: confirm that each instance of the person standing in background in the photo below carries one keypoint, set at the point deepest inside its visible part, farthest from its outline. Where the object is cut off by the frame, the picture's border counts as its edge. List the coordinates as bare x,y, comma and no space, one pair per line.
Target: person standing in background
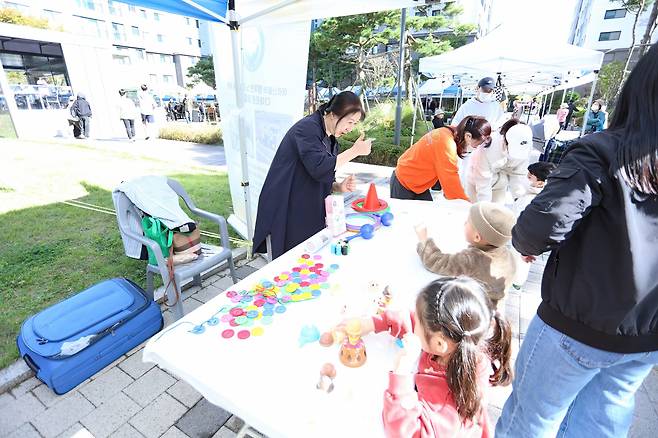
127,113
146,108
82,110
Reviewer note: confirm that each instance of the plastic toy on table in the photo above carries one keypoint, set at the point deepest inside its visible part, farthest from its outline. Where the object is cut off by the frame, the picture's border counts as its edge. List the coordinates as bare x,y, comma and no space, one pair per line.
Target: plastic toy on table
353,350
371,203
308,335
327,375
342,247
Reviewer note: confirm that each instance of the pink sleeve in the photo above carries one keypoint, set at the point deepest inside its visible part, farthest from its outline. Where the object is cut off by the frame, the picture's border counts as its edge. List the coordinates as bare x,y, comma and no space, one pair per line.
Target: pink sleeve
403,414
391,322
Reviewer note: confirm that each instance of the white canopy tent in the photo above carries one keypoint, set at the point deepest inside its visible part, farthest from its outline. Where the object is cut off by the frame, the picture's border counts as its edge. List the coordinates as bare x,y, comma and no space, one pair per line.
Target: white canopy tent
531,64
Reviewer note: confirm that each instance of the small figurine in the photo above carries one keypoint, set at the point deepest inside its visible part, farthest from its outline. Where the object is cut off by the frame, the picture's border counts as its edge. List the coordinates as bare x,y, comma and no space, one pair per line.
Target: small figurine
353,350
327,375
327,339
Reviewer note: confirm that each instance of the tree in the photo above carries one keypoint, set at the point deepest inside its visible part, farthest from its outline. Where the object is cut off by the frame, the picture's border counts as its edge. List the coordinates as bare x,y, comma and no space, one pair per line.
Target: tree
650,29
341,48
12,16
610,79
340,45
203,70
636,7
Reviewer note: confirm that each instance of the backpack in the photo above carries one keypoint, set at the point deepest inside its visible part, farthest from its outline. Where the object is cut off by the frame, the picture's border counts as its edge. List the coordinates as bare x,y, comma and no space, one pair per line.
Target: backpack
554,150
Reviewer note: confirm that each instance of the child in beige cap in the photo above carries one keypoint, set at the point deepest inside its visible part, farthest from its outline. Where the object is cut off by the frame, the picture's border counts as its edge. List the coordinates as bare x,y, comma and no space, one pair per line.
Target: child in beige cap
487,258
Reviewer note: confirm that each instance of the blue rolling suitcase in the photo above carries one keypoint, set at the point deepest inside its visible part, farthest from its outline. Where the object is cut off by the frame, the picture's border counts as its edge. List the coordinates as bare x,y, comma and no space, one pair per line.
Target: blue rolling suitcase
72,340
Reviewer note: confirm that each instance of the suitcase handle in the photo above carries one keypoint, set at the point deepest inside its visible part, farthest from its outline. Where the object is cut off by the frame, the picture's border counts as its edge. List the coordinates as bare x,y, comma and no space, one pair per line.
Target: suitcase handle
30,363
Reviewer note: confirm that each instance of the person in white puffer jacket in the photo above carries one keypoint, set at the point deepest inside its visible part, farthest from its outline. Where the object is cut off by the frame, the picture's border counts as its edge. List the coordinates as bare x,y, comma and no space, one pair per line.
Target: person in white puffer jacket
501,166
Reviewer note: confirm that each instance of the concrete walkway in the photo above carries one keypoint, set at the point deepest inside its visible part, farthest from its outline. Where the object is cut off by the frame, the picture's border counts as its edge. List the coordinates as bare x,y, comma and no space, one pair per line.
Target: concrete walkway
181,152
135,399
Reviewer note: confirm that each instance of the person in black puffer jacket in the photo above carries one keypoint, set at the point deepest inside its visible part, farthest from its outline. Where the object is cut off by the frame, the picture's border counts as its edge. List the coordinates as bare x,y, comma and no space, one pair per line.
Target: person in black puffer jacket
82,110
595,336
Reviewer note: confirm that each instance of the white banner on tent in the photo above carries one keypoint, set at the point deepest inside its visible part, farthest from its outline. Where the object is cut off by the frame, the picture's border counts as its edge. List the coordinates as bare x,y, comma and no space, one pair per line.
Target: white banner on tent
274,62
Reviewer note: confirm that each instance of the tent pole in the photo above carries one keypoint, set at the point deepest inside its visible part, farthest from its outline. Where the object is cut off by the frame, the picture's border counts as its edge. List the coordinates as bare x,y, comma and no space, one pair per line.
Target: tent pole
440,101
398,107
564,94
237,84
589,102
550,105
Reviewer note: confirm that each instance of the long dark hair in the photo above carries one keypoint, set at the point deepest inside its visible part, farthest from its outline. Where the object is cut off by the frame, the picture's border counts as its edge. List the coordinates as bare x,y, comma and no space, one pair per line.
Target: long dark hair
636,121
342,105
477,126
459,308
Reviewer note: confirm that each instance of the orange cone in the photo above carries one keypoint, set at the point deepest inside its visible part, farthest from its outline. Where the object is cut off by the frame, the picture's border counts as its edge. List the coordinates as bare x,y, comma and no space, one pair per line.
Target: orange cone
372,201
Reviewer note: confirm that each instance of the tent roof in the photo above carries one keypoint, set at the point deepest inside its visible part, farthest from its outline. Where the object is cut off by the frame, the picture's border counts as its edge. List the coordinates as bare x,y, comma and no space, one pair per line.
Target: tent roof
531,63
273,11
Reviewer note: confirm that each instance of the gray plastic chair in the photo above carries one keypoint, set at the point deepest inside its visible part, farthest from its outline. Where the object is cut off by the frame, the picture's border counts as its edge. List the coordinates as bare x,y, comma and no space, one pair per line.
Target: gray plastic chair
211,255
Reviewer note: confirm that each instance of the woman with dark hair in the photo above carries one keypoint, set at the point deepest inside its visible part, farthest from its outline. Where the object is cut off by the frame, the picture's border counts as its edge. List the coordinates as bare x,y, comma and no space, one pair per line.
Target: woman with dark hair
434,158
595,336
501,166
302,174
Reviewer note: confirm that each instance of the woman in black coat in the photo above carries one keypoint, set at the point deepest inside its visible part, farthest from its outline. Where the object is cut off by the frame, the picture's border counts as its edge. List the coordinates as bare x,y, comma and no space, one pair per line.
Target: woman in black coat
302,174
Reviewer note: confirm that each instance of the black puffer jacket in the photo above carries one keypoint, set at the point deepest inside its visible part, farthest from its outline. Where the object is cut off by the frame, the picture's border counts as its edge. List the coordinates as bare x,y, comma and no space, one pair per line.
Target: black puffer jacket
600,285
81,108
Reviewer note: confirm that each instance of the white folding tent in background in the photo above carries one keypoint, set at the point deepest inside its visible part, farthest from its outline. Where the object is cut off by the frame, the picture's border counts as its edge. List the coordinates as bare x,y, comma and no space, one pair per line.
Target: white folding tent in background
527,63
276,16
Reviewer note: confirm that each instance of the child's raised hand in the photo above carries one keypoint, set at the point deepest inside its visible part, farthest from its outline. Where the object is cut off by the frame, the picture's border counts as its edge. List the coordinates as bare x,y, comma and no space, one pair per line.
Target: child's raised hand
407,360
421,232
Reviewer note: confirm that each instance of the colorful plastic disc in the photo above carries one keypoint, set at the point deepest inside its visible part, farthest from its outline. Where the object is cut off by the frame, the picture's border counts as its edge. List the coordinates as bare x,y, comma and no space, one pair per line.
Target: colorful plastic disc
228,333
244,334
257,331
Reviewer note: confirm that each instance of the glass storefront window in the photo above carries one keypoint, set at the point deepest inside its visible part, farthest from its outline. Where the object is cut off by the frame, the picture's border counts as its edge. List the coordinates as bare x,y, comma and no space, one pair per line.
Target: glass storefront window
37,81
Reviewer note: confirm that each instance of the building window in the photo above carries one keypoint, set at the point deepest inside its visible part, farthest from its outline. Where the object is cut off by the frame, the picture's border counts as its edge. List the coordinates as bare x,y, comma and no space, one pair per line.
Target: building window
51,16
135,31
19,7
151,57
139,53
38,82
142,12
436,12
91,27
118,31
153,79
615,13
167,79
609,36
189,41
156,16
131,8
160,38
88,4
120,59
115,8
199,42
188,21
197,24
163,59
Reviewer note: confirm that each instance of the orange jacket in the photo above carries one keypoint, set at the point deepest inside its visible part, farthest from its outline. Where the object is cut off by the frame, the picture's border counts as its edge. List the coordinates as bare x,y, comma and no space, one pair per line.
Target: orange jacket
433,158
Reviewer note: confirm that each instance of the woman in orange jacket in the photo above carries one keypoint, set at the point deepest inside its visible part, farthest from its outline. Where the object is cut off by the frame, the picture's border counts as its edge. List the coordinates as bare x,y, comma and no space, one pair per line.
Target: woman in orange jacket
434,158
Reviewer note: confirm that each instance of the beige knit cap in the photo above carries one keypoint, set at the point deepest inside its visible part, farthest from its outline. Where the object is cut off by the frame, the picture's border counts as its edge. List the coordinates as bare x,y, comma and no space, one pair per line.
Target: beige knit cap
493,222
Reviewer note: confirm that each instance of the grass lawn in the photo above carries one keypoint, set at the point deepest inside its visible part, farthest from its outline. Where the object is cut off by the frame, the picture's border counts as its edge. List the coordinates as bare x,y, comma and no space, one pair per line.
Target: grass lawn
52,250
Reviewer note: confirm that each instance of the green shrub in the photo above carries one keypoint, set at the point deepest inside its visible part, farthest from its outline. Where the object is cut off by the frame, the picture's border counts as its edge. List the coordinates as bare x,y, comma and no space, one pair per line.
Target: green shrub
379,125
195,133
